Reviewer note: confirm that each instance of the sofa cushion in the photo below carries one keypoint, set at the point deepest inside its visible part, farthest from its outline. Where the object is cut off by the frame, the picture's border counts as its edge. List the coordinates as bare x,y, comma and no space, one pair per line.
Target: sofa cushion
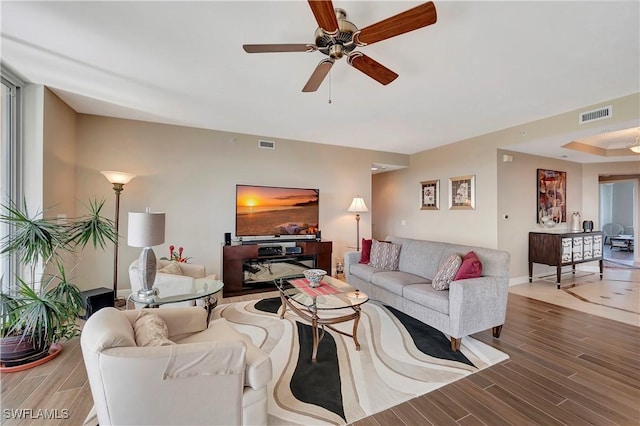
471,267
365,256
427,296
446,272
394,281
385,255
364,272
151,330
419,257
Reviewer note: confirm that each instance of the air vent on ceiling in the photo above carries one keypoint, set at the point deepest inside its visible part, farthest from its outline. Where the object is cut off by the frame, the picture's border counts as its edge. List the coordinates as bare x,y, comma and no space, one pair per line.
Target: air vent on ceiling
596,114
266,144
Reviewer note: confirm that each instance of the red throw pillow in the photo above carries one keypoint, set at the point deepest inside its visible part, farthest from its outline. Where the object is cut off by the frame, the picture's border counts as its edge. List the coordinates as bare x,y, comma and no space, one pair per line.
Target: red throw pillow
365,255
471,267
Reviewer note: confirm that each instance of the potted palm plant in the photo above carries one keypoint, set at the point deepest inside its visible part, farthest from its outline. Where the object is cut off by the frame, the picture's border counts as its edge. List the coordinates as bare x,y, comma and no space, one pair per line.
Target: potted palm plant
40,310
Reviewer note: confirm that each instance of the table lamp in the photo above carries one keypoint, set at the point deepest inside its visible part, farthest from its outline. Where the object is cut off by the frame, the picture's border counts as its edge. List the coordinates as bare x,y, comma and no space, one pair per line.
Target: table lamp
146,230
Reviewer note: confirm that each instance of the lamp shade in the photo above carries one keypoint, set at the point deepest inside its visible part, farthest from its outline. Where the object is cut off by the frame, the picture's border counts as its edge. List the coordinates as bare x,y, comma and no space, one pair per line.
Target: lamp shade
117,177
145,229
358,205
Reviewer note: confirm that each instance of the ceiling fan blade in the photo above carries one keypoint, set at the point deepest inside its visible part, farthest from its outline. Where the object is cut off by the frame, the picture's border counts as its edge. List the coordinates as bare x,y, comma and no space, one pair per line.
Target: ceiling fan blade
268,48
373,69
409,20
318,76
325,15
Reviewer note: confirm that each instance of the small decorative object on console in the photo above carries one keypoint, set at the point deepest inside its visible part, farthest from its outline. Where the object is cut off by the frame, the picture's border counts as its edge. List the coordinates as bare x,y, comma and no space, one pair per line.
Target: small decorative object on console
575,221
314,276
548,222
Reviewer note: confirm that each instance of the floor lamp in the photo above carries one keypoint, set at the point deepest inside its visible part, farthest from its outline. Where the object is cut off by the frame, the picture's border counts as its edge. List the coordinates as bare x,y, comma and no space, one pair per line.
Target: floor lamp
358,206
119,180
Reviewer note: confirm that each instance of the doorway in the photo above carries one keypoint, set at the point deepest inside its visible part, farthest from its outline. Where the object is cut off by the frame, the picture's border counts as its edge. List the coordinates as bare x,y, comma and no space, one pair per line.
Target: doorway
618,217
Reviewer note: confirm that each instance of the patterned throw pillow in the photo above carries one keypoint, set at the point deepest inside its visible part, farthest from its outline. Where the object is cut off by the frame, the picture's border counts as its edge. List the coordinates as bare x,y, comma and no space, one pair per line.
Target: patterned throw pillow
446,272
151,330
385,255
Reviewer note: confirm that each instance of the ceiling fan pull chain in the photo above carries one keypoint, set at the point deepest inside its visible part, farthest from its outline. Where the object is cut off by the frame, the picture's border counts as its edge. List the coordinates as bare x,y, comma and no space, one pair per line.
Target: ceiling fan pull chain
329,86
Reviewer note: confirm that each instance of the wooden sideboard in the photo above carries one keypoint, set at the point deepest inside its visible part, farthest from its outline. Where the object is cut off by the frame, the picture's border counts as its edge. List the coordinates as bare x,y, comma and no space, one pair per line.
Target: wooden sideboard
564,248
236,257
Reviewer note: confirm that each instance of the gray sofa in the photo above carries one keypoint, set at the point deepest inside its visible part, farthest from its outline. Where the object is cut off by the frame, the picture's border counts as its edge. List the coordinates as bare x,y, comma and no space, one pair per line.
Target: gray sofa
469,306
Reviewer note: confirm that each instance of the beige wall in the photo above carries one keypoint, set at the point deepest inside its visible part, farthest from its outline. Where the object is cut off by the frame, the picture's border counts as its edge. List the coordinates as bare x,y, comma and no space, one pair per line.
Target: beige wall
502,188
518,200
396,197
59,148
191,175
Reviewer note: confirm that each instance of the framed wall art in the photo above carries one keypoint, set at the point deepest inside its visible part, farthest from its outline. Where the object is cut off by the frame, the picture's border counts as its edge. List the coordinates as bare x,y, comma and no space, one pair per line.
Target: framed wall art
430,195
552,191
462,193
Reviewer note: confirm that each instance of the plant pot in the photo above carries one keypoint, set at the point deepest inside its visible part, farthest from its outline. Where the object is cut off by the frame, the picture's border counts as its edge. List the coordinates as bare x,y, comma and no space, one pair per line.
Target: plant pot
16,350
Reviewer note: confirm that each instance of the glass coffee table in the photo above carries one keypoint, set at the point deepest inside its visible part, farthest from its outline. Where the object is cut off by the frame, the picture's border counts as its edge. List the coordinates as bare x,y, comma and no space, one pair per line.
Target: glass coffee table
333,302
203,288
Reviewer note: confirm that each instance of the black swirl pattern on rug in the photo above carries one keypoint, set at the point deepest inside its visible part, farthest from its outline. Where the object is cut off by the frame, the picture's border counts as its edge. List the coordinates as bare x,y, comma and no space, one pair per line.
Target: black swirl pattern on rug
270,305
317,383
427,339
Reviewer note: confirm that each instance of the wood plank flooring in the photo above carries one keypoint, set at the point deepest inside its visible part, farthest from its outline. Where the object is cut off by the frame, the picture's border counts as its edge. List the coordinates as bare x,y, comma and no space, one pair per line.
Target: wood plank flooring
566,367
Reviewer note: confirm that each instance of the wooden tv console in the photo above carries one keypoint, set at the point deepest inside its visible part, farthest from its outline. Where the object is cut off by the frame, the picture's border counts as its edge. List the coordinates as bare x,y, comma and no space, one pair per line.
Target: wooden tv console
234,258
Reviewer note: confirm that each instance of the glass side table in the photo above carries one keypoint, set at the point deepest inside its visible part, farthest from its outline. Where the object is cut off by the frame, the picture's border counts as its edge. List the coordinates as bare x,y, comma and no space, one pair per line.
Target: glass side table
203,288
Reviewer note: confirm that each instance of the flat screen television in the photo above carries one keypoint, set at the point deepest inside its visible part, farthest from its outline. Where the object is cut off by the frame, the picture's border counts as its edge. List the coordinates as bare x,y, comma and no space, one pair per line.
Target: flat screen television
268,211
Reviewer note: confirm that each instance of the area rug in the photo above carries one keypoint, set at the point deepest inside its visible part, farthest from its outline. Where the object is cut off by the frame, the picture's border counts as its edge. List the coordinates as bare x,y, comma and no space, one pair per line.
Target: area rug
400,358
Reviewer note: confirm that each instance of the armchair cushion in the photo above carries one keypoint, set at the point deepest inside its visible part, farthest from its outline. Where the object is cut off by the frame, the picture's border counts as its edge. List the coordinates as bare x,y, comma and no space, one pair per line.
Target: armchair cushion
258,364
151,330
220,359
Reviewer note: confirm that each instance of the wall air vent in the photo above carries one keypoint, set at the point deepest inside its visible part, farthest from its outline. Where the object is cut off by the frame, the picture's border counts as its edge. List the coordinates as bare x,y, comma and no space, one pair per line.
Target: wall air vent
266,144
596,114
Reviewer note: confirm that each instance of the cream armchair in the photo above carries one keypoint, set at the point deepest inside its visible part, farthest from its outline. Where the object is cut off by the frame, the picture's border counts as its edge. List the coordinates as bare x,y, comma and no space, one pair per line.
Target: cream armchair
212,375
181,281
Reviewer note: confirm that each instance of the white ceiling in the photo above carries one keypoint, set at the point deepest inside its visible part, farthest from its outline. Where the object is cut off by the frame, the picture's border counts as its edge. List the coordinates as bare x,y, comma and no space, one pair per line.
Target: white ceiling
484,66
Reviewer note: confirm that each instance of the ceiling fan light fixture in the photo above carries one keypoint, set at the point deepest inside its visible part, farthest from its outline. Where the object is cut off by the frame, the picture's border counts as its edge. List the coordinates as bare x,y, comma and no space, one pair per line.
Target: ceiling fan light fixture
336,37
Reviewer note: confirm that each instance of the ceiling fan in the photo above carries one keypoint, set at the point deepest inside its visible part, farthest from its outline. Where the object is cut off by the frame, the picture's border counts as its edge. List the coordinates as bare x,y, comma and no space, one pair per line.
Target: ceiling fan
336,37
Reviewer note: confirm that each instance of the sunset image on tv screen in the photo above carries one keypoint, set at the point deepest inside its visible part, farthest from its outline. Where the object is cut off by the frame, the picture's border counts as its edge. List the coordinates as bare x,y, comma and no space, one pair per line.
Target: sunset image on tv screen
264,211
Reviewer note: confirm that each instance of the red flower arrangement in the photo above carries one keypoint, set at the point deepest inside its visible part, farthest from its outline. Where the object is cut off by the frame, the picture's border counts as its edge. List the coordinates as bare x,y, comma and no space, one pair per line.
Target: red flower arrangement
176,255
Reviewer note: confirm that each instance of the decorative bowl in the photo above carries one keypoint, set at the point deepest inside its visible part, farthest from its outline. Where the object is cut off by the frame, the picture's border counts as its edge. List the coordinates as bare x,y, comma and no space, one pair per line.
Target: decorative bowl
314,276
